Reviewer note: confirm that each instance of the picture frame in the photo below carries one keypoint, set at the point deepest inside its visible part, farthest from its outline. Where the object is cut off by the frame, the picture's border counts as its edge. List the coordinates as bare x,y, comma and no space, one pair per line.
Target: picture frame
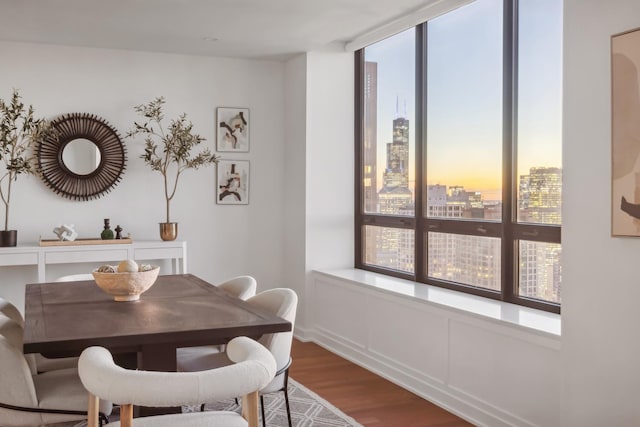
625,133
232,129
233,182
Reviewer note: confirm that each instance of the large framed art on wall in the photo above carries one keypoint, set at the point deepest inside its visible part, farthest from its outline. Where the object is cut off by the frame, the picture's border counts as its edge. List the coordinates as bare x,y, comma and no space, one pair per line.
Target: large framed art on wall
625,133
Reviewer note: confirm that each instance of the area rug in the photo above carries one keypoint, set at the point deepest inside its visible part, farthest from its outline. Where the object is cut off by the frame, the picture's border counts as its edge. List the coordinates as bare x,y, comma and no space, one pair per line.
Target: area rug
307,410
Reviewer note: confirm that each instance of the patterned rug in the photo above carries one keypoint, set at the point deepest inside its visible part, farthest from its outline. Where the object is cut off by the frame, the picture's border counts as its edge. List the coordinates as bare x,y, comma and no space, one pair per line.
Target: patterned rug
307,410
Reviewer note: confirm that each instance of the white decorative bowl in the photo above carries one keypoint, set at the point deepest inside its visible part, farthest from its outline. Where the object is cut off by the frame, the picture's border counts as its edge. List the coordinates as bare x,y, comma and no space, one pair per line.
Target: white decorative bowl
126,286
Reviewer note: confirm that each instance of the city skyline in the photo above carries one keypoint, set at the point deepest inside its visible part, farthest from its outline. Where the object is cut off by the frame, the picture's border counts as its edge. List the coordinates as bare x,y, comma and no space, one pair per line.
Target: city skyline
469,152
458,258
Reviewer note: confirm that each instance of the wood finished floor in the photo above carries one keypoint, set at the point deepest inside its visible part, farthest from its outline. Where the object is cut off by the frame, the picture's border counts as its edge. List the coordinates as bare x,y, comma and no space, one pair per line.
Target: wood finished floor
369,399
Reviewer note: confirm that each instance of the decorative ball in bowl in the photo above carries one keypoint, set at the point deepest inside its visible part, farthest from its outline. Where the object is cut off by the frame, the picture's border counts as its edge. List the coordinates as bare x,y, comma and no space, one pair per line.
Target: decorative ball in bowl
126,283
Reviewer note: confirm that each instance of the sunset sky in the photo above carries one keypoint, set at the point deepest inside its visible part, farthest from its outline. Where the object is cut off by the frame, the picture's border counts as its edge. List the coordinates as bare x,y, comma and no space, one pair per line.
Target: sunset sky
465,92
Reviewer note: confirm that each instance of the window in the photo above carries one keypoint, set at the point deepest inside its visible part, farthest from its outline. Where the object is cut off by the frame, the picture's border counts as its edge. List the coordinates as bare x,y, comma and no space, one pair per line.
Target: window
458,166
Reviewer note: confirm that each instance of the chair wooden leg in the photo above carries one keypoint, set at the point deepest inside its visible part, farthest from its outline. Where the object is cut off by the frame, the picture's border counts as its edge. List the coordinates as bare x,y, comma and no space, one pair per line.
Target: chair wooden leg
92,412
126,415
250,408
264,418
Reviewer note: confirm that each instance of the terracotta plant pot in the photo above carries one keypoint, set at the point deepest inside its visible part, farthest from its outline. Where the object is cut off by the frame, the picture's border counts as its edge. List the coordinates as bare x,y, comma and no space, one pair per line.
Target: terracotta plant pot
168,230
8,238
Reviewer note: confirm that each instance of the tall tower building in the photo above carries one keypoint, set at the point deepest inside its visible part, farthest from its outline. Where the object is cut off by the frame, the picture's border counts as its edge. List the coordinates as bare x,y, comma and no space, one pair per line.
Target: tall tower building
395,247
465,259
370,146
396,173
540,201
395,196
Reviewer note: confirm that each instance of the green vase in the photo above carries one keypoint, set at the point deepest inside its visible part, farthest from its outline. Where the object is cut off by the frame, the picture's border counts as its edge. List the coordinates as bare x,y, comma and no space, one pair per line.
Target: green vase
107,233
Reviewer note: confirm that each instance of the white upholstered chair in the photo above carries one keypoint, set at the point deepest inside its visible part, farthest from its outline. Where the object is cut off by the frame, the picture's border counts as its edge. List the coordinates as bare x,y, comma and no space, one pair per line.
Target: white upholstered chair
37,362
242,287
282,302
253,367
28,399
75,277
11,311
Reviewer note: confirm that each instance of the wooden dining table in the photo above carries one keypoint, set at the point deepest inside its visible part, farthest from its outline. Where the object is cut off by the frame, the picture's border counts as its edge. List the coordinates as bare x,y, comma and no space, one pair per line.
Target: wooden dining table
64,318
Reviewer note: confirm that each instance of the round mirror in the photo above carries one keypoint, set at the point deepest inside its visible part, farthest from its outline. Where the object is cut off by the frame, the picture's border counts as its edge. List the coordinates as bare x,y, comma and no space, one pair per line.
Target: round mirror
81,156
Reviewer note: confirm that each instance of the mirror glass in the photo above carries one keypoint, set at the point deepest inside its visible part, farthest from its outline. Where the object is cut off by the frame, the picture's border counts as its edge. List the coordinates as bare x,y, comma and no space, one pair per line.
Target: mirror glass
81,156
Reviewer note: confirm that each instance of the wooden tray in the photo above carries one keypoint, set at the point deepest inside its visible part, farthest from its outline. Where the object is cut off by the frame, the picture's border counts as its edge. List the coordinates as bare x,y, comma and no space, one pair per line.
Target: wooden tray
84,242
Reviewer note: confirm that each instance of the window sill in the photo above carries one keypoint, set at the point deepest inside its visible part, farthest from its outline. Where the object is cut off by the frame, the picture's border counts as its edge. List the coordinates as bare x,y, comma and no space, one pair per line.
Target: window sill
526,318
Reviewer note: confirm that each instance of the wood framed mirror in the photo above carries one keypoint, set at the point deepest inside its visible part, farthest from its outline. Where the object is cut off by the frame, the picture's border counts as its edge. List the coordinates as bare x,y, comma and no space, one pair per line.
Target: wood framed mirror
83,158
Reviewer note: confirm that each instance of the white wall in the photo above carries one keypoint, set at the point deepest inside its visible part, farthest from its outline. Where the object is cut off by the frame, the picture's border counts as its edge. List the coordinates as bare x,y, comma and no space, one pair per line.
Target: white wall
295,166
222,240
601,277
330,157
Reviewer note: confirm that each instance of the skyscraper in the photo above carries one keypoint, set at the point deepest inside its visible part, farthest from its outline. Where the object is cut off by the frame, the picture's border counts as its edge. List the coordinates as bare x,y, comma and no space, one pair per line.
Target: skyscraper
540,201
472,260
395,197
395,247
370,146
540,198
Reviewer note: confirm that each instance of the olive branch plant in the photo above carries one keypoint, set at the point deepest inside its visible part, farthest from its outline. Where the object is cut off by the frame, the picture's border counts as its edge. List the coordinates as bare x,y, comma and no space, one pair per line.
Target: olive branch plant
20,131
176,144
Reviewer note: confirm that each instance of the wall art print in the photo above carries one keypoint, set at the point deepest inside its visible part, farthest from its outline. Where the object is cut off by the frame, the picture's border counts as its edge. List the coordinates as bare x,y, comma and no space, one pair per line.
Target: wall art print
625,133
233,182
233,129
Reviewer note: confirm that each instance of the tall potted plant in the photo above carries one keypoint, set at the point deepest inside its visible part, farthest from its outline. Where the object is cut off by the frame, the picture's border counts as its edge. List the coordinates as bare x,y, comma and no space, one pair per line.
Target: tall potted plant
176,144
20,131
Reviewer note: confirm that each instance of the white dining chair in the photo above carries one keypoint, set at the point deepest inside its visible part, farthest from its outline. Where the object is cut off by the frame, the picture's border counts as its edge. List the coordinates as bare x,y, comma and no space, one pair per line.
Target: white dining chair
28,399
37,362
75,277
252,367
242,287
11,311
282,302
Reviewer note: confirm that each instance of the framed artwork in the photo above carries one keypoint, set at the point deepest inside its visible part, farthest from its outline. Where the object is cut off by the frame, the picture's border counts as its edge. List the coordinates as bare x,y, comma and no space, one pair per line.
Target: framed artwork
233,182
233,129
625,133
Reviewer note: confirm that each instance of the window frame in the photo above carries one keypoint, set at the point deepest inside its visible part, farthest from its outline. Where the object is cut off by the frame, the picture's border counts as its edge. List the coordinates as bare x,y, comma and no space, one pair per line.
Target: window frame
508,229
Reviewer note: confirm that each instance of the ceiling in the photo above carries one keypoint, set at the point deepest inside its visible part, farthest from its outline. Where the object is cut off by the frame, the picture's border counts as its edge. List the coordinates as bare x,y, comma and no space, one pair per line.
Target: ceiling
265,29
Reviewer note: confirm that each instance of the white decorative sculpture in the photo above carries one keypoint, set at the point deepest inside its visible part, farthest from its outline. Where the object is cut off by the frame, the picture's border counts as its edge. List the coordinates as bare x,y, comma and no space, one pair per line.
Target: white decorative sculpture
66,232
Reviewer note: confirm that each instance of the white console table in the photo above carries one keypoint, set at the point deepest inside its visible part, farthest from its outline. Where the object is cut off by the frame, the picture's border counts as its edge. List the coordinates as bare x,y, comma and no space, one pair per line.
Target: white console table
41,256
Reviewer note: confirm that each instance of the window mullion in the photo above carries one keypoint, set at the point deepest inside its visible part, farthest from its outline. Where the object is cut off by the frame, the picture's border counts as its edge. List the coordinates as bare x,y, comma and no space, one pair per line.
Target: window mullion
359,158
466,227
537,232
509,123
421,149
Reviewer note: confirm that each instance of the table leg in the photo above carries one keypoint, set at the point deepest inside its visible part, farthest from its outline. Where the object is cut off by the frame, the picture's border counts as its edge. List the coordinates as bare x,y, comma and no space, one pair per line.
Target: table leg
157,358
126,360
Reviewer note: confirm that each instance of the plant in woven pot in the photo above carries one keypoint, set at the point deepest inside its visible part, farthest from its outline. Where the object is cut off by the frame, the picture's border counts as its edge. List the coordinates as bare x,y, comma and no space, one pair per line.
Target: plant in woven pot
20,131
169,151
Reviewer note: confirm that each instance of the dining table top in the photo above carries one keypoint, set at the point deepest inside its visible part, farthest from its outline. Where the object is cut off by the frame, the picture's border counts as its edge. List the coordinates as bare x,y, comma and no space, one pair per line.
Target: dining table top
64,318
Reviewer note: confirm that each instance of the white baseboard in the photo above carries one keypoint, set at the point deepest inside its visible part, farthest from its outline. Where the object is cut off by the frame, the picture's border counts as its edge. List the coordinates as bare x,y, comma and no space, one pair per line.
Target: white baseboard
301,334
